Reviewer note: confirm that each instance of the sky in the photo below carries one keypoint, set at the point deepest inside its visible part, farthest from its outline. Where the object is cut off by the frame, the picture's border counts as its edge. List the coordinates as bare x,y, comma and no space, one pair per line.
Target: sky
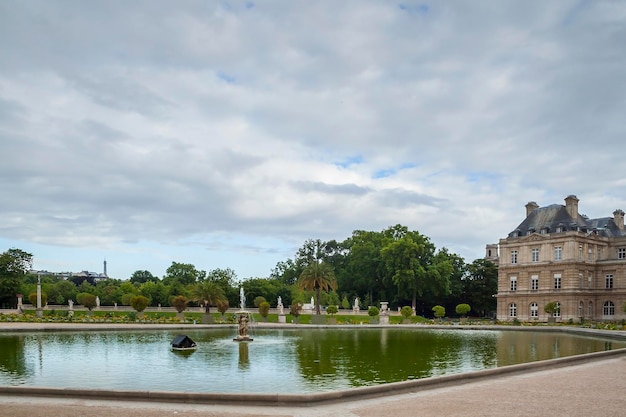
226,133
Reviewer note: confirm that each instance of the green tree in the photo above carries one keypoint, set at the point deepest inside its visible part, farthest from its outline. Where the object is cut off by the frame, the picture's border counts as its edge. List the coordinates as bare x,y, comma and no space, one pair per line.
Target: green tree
186,274
139,277
87,300
462,309
406,312
139,303
439,311
32,297
332,310
264,309
552,308
180,303
345,304
209,293
407,257
365,269
258,300
480,285
317,276
14,264
222,306
295,309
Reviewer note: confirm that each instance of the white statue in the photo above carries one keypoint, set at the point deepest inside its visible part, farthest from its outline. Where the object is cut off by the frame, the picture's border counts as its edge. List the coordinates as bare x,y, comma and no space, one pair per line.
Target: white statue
280,306
356,303
71,303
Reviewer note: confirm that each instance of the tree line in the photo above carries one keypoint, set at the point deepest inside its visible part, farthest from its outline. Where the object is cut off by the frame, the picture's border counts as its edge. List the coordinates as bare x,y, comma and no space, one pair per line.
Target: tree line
396,265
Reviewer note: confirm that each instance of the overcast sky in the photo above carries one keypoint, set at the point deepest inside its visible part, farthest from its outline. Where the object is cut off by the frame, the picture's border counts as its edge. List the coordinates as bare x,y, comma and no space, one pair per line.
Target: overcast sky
225,134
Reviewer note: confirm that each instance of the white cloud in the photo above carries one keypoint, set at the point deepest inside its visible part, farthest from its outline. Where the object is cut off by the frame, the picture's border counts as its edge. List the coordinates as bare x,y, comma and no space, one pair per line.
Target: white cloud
227,134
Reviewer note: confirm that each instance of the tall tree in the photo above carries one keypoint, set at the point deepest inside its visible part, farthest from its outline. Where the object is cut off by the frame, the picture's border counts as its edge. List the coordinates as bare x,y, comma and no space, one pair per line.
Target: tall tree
480,285
412,266
185,274
209,293
14,264
364,268
317,276
141,276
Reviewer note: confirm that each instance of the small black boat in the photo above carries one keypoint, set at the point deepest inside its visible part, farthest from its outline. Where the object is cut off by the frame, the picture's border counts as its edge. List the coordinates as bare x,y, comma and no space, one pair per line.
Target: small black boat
183,342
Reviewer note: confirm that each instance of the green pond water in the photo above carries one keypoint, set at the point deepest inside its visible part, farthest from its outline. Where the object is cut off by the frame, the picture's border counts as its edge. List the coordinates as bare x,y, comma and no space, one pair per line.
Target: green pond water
277,361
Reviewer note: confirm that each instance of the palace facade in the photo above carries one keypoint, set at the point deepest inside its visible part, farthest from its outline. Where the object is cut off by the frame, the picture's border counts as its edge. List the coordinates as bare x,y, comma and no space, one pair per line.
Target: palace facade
558,255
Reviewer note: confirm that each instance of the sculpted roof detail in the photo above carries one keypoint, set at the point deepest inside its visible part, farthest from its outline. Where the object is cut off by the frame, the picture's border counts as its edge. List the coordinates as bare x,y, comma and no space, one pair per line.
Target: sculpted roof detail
555,217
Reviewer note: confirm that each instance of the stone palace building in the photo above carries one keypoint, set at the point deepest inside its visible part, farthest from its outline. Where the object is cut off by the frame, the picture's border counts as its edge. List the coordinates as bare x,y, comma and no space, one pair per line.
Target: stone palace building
558,255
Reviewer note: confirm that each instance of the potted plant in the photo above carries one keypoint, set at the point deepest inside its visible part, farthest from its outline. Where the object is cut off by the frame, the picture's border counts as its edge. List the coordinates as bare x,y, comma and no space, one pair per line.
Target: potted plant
553,309
264,309
180,304
373,312
463,309
294,310
139,303
406,313
222,306
87,300
439,312
332,310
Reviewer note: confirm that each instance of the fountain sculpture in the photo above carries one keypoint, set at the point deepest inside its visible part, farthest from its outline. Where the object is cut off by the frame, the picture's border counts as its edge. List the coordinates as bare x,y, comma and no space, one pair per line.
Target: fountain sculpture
243,319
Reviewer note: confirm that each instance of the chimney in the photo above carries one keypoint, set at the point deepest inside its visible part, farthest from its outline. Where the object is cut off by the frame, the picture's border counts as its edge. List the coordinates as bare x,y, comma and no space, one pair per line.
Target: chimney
571,205
618,218
530,207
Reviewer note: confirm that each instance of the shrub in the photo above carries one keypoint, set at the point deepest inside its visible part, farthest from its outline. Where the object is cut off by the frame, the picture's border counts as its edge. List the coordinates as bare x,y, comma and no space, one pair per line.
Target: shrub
180,303
222,306
345,304
87,300
32,297
332,310
406,311
259,300
463,309
264,309
439,311
295,309
551,308
373,311
139,303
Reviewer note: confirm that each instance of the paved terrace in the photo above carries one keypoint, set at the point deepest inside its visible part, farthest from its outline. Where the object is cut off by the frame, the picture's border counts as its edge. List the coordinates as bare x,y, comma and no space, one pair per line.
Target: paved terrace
586,385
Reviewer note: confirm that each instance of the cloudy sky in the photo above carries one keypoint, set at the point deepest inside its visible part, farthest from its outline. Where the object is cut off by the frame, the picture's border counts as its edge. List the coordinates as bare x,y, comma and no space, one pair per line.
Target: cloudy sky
225,134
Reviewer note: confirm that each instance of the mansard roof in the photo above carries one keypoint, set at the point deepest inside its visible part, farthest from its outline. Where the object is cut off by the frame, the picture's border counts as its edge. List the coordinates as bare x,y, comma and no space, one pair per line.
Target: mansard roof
555,217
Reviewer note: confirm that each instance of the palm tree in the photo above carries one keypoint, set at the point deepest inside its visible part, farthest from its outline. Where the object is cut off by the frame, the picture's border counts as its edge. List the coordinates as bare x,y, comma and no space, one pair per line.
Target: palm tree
317,276
209,293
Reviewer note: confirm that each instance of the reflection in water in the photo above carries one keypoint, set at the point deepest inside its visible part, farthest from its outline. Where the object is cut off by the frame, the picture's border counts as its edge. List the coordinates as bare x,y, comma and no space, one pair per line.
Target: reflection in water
244,359
279,361
13,367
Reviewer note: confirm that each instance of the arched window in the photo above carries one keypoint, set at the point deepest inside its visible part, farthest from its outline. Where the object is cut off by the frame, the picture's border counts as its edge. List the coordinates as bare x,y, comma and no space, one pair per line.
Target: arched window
590,309
580,309
608,309
557,312
534,310
512,310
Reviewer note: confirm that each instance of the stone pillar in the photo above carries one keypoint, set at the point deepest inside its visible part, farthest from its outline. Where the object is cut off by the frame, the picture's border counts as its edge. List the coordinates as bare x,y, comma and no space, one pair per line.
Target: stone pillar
39,310
384,312
20,305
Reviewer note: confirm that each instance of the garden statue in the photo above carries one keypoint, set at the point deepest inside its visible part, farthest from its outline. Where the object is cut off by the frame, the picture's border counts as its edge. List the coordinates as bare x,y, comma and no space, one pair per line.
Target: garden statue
243,318
279,305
